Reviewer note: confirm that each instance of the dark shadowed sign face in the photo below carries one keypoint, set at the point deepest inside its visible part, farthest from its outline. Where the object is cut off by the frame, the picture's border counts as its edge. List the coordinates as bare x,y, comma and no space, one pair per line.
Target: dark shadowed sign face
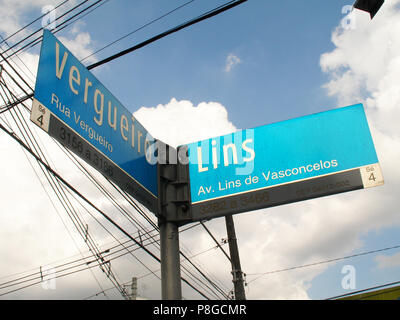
78,111
289,161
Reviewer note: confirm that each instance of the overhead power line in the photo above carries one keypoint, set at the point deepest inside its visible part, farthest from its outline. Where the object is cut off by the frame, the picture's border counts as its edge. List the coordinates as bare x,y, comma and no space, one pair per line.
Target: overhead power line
371,294
321,262
215,240
138,29
147,274
189,23
110,253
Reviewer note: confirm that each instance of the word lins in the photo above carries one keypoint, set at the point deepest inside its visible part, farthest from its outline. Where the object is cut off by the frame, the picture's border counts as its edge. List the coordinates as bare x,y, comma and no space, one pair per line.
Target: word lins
236,149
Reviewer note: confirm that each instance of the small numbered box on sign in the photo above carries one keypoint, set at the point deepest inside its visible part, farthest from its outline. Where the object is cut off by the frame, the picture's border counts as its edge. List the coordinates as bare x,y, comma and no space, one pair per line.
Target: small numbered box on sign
372,175
40,115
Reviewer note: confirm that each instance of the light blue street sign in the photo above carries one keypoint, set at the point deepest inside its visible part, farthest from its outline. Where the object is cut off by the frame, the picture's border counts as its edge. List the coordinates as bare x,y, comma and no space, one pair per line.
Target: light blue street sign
281,154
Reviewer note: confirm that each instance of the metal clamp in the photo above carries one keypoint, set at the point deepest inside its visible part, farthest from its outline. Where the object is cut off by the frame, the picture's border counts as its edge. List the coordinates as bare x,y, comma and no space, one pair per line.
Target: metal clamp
174,201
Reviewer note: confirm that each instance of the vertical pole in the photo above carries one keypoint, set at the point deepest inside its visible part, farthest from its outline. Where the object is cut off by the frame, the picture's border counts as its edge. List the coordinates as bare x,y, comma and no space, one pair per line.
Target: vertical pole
170,264
172,200
134,289
237,273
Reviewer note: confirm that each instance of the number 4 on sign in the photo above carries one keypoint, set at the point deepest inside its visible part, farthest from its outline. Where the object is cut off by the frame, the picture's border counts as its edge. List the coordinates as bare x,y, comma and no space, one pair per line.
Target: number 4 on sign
40,120
40,115
371,175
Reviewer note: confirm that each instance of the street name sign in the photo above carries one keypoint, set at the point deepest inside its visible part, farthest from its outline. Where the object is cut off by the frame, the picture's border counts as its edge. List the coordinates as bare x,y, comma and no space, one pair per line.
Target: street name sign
75,108
298,159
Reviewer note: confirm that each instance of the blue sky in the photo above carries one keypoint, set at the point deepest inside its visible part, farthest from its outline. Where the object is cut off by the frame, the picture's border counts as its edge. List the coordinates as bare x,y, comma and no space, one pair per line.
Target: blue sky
284,64
278,43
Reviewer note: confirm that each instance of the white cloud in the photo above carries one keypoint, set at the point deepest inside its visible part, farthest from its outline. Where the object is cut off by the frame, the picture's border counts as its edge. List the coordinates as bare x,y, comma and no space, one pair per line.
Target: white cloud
12,12
81,45
388,261
364,56
181,122
231,61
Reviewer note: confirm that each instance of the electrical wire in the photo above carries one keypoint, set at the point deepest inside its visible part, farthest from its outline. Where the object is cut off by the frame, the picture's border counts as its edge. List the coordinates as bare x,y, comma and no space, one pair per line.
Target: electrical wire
321,262
31,76
369,294
147,274
83,260
70,266
189,23
215,240
138,29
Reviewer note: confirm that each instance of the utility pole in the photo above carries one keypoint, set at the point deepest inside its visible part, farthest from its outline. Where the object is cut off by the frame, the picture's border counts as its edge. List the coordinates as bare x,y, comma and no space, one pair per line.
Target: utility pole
131,292
238,281
133,289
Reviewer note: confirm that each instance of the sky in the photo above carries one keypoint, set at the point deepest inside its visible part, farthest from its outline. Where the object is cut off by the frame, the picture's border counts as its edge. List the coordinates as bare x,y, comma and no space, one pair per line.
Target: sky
259,63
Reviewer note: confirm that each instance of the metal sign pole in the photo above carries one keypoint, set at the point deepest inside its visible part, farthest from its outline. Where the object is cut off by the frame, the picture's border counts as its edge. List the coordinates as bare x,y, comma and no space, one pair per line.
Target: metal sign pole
170,264
173,211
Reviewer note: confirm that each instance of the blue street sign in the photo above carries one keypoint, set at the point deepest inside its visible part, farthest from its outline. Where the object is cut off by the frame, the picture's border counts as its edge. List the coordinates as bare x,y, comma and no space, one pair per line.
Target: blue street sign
283,162
72,105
